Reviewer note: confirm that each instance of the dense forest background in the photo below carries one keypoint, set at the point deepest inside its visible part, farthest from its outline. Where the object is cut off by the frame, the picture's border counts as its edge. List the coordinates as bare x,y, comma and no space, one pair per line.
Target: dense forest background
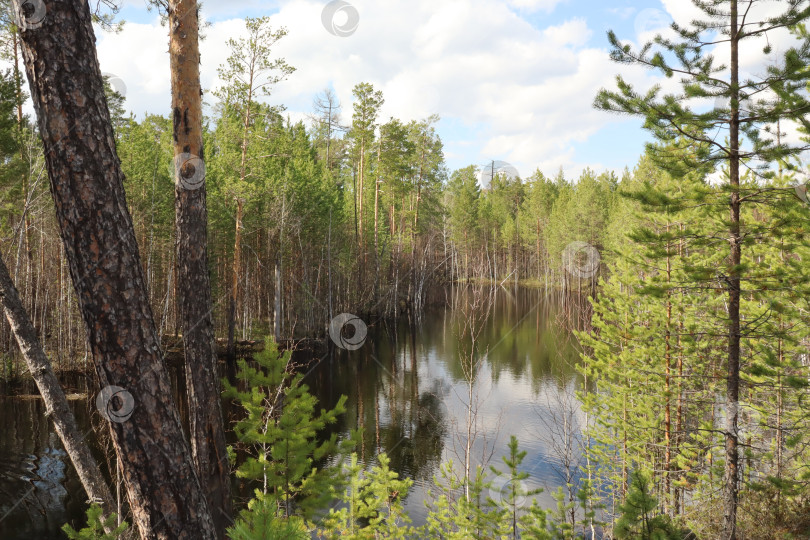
348,212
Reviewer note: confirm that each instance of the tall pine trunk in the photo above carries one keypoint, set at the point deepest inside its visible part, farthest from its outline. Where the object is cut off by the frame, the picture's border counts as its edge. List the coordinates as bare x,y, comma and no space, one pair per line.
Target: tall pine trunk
206,428
376,225
87,186
361,243
733,287
235,273
233,307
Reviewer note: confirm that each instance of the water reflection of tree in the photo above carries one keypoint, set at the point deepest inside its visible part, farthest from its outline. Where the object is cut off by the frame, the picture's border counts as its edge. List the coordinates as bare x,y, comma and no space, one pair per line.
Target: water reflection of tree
38,489
560,430
414,434
404,411
471,312
526,337
383,386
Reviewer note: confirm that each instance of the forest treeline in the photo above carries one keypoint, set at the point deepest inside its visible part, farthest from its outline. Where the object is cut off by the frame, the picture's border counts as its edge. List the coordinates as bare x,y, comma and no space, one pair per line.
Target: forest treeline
345,212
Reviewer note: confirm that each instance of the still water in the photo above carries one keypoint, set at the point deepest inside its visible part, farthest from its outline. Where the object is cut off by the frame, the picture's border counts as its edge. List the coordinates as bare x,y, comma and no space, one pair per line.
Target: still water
408,388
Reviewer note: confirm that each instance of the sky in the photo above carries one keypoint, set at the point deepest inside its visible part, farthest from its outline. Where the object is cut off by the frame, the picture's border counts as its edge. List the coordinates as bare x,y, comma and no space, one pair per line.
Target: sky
512,80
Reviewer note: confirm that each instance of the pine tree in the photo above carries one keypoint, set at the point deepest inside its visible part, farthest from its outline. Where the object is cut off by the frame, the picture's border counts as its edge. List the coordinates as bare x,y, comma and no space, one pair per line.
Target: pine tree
100,244
752,107
97,524
454,516
640,519
281,436
372,505
261,522
364,123
535,219
462,199
513,493
251,73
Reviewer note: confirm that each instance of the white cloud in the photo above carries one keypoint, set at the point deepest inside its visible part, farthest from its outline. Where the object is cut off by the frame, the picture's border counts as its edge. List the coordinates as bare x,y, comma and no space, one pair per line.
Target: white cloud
139,56
571,33
508,89
525,93
683,12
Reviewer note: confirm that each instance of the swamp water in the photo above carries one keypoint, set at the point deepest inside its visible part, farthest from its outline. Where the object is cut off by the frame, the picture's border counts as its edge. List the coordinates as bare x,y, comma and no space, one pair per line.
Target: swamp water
407,388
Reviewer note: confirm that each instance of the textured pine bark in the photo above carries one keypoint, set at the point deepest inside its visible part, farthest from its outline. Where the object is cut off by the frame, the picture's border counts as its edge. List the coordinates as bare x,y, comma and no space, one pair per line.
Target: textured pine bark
194,288
99,240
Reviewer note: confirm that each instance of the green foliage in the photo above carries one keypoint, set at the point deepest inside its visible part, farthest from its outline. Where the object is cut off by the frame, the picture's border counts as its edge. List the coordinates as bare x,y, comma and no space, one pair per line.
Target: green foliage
522,226
281,434
115,103
654,356
261,522
463,196
639,517
653,360
372,505
96,525
753,103
512,492
14,153
562,528
250,69
456,514
499,506
580,213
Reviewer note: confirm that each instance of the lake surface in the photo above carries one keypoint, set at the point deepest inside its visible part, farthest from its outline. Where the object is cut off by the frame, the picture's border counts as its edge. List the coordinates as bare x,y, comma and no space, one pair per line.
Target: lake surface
407,387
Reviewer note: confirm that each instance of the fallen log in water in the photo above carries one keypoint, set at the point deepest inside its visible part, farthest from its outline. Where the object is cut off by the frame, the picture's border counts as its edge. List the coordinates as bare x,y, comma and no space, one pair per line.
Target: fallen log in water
173,347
